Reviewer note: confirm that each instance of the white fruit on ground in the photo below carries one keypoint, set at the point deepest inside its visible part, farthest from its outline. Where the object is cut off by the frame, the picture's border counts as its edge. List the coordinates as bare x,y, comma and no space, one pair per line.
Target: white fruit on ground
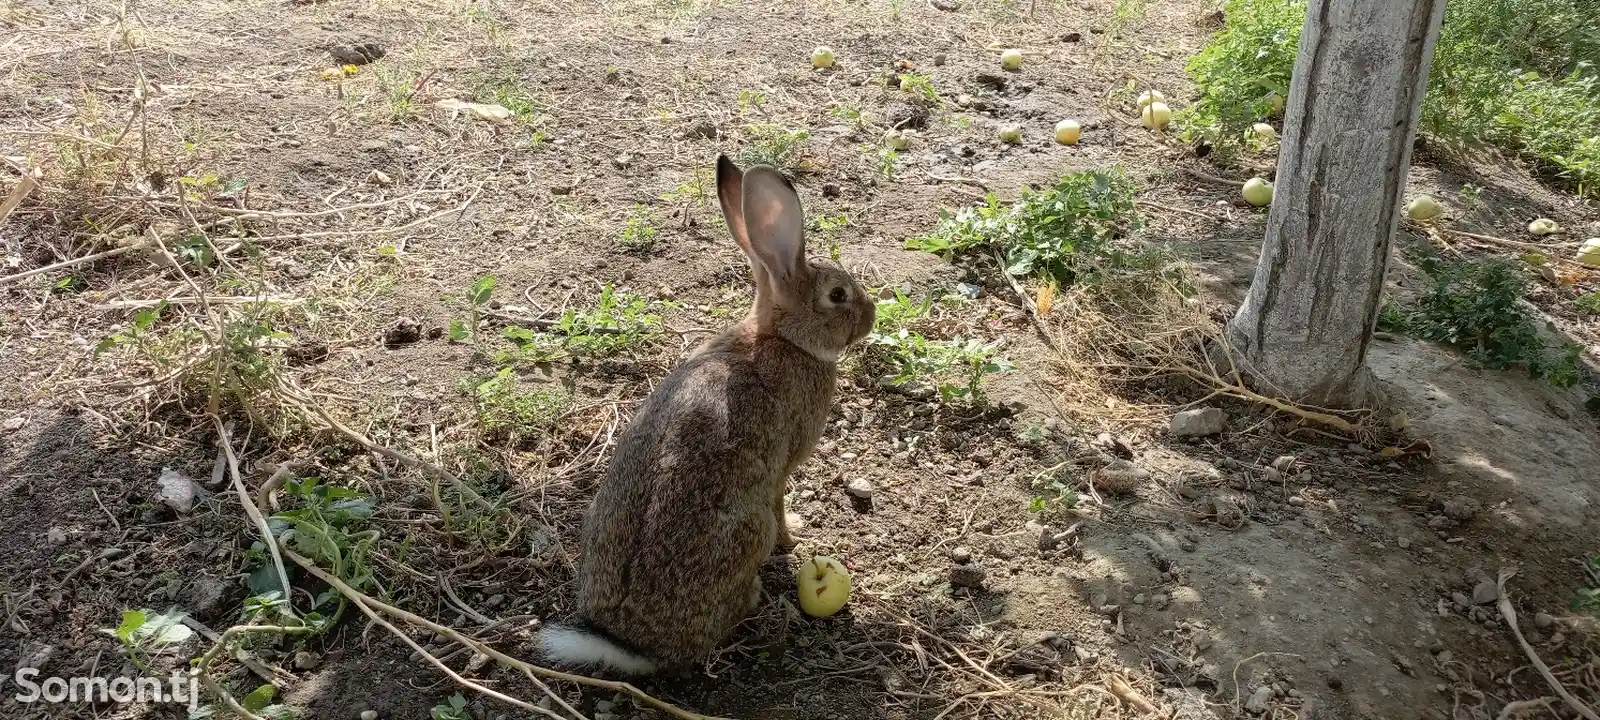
1156,115
896,139
1543,226
1258,192
1423,208
824,586
1263,132
1150,96
1589,253
1067,132
1011,134
1011,59
822,57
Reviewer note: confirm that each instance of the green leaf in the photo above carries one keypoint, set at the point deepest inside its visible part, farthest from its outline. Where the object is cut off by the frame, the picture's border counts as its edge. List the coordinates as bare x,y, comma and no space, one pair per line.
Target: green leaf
132,621
259,698
233,187
481,290
458,331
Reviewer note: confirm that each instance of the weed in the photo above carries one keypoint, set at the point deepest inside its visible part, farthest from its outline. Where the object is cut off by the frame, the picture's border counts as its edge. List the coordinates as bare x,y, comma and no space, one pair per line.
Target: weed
1588,304
398,93
504,409
619,322
750,99
638,235
694,193
1241,69
921,86
888,163
145,634
954,368
477,298
453,709
1063,233
826,228
1052,491
1477,306
775,145
860,121
1125,15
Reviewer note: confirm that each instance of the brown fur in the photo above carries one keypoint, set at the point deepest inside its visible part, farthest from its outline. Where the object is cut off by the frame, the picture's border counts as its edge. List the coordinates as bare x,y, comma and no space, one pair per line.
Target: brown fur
692,502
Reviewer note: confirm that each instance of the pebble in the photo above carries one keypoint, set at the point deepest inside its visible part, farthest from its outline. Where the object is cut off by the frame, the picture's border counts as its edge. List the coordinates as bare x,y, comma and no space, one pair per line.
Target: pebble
1139,599
860,487
1461,507
306,661
967,576
56,536
1160,601
1297,501
369,715
1259,700
1198,422
961,555
1460,599
1485,592
495,601
1403,543
1543,620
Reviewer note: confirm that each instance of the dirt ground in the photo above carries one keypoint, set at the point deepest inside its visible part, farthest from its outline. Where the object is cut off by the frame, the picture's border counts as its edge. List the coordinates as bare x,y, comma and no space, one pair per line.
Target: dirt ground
1268,571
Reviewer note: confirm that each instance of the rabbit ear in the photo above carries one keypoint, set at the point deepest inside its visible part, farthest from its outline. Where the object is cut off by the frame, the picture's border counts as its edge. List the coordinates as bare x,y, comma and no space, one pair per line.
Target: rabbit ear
775,223
730,193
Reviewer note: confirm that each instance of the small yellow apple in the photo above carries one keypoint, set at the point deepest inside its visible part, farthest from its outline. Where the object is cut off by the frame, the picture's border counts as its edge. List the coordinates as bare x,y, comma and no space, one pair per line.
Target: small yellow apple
1011,59
1258,192
1150,96
824,586
822,57
1067,132
1156,115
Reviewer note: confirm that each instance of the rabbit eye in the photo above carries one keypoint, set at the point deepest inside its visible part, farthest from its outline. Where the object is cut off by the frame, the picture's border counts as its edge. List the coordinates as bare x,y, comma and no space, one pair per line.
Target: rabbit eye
837,295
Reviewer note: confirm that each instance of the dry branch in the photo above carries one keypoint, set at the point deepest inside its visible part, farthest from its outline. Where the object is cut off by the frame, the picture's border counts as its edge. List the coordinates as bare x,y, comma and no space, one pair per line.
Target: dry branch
1510,615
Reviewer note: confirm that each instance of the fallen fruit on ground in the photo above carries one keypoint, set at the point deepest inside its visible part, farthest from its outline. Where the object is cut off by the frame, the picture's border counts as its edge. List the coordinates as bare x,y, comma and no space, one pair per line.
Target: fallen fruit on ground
1156,115
1067,132
1011,134
1258,192
1422,207
824,586
1011,59
822,57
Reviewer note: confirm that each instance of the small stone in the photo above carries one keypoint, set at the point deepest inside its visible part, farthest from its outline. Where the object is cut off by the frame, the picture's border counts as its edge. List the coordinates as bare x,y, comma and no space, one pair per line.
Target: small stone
938,60
1202,642
1283,463
1297,501
830,190
1444,656
495,601
603,706
1160,601
1543,620
795,520
968,290
1198,422
404,331
1138,599
860,487
56,536
1438,521
1485,592
1403,543
1335,683
1557,639
14,424
306,661
1072,37
1461,508
1461,600
369,715
967,576
961,554
1259,701
177,490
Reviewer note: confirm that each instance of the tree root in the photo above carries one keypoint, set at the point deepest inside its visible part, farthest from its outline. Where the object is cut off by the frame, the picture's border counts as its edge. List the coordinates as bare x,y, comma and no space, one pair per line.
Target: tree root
1510,615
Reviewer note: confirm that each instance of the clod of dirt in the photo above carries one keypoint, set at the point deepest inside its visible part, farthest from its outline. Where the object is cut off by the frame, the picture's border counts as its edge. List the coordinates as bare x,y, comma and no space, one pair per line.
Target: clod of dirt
356,54
961,555
997,82
1543,620
202,595
906,116
1114,445
1485,592
1189,704
403,332
1120,478
1198,422
860,488
703,129
56,536
1259,701
306,353
946,5
13,424
967,576
1283,463
1071,37
1461,508
369,715
306,661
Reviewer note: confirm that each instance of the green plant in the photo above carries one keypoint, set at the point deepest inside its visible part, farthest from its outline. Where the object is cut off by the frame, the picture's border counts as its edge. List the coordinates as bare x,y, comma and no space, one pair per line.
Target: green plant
826,228
775,145
504,408
145,634
1477,306
694,193
453,709
750,99
1063,233
1588,304
619,322
921,86
889,163
1125,14
638,235
1052,490
954,367
859,121
1241,69
477,298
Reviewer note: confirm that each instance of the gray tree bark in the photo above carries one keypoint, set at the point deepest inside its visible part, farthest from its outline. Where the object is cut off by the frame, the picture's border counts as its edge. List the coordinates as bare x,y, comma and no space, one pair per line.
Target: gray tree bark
1303,329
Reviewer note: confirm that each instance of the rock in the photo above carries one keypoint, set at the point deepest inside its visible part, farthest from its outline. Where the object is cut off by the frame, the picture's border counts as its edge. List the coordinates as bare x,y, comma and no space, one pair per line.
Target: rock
860,487
968,290
56,536
1259,701
1297,501
404,331
1198,422
1461,508
14,424
1071,37
938,60
1543,620
961,554
1461,600
306,661
177,491
830,190
967,576
604,706
356,54
1283,463
1485,592
795,520
203,594
369,715
1438,522
1160,601
1403,543
495,601
1138,599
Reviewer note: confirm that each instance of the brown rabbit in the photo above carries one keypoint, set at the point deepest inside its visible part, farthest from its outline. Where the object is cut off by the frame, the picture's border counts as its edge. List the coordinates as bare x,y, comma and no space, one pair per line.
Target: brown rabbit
692,503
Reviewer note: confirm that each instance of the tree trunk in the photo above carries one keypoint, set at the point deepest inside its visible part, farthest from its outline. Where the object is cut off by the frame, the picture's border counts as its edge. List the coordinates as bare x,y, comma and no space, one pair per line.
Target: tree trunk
1303,330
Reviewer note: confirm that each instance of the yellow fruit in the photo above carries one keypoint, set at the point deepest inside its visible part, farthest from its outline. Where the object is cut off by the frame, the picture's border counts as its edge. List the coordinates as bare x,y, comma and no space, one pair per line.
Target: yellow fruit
1275,101
1543,226
1156,115
1589,254
1263,132
824,586
822,57
1011,59
1011,134
1423,208
1258,192
1067,132
1150,96
896,140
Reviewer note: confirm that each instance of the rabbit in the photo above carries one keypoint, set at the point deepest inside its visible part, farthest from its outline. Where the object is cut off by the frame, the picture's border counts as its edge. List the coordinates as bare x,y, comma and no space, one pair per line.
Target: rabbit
692,502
